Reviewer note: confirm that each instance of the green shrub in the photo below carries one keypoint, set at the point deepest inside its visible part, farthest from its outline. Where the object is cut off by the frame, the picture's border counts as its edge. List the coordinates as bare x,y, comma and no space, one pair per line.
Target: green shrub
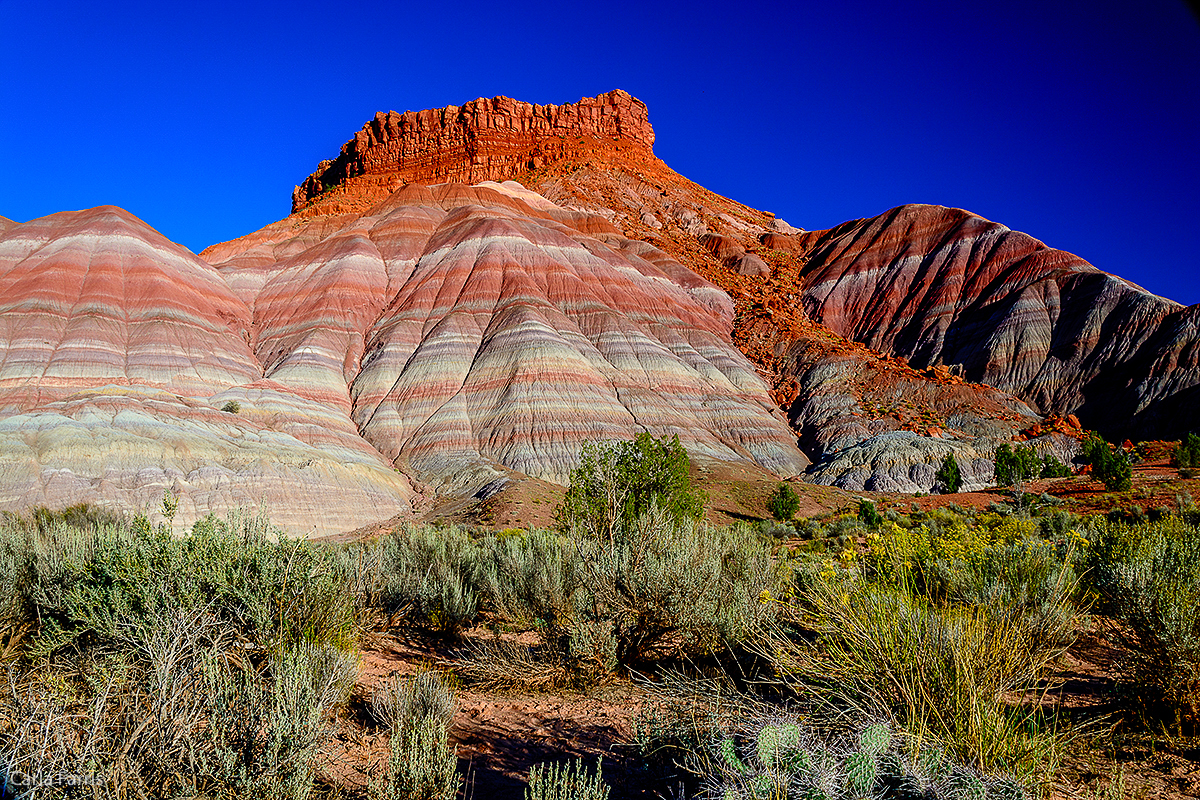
424,573
569,781
1015,466
264,730
1148,578
784,503
421,765
659,586
172,708
1109,465
232,407
197,666
869,514
1027,582
1186,454
617,481
948,476
1053,468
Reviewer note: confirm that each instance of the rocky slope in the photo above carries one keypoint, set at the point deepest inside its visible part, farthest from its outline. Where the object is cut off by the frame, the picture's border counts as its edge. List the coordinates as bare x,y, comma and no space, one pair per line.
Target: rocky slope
473,330
942,286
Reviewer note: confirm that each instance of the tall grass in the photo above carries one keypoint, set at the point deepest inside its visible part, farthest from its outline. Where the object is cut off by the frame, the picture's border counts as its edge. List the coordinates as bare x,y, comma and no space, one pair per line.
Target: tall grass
948,673
944,624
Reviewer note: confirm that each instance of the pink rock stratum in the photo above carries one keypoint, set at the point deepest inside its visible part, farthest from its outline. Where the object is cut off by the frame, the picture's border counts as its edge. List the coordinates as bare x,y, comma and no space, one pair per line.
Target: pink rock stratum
454,333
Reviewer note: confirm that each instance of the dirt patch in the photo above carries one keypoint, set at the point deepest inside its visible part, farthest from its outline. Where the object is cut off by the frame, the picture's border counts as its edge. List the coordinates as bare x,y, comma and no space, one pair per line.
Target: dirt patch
498,736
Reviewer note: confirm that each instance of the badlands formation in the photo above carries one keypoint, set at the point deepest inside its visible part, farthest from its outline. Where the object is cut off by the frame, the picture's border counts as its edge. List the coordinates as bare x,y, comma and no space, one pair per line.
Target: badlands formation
463,296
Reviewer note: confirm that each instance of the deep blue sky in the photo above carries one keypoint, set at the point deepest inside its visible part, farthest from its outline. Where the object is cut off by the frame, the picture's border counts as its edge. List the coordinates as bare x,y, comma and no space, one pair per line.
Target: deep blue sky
1077,122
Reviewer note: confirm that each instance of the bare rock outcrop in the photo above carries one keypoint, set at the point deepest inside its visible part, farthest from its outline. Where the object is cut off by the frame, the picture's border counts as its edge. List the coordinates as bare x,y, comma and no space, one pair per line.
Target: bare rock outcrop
481,140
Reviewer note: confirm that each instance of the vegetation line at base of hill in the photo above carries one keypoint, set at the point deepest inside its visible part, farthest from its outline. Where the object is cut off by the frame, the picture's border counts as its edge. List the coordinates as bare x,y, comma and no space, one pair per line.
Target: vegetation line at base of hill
876,653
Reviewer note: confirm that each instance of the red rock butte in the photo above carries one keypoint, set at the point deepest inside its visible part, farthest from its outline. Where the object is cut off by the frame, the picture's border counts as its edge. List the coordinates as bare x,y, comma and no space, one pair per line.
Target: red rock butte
481,140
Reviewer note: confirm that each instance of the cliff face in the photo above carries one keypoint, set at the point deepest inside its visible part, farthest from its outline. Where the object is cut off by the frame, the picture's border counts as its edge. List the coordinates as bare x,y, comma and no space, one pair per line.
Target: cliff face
482,140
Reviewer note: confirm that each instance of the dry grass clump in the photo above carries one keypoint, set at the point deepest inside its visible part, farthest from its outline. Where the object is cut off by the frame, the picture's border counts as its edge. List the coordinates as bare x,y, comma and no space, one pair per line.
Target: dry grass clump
504,664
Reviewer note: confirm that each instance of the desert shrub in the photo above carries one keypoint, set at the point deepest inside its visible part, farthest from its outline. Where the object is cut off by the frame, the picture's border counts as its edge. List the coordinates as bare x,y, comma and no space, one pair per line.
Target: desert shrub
420,572
943,672
949,476
232,407
617,481
1027,581
995,563
565,781
659,585
1158,513
869,514
1015,465
421,765
1053,468
770,529
86,585
1186,454
264,729
1129,515
177,711
528,577
1109,465
1057,524
1148,578
784,503
195,666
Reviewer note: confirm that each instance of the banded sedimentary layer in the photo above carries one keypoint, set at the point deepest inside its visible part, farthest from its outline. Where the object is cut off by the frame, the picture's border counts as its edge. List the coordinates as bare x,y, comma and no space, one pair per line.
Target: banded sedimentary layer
118,349
451,335
493,328
942,286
